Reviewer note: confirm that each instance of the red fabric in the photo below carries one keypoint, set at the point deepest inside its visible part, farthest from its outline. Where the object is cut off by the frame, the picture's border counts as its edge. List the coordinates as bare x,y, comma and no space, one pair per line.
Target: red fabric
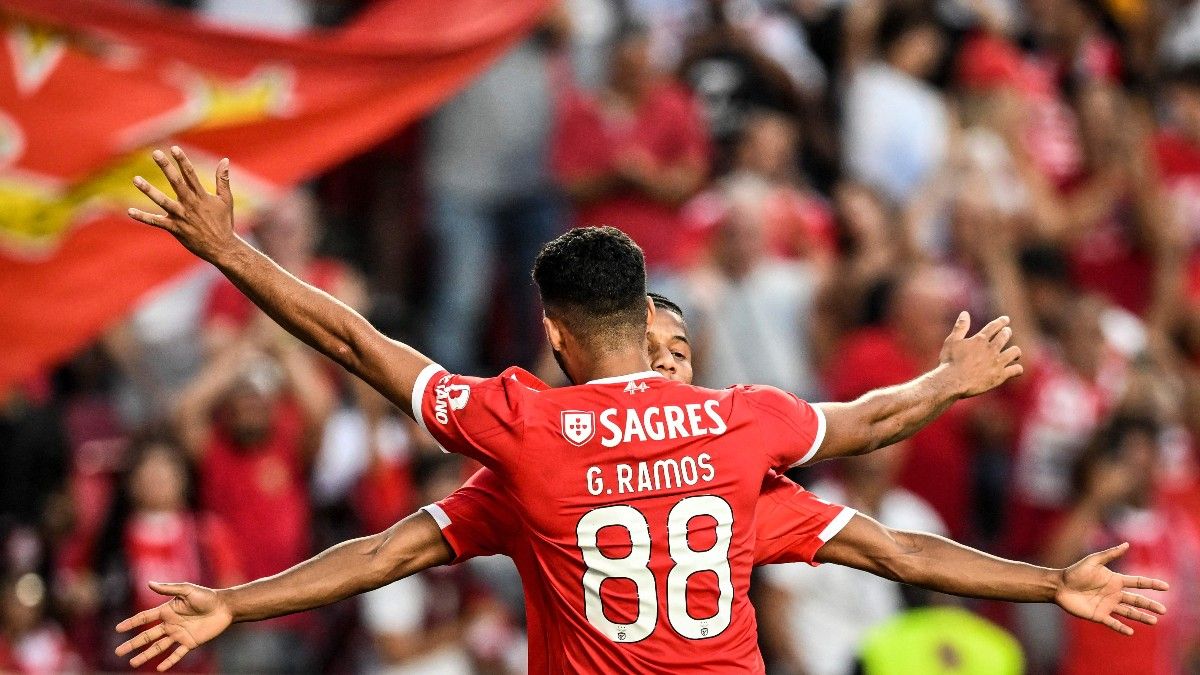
1107,260
230,307
937,466
384,495
482,520
1164,544
1178,163
585,491
796,224
1056,411
82,107
668,128
261,494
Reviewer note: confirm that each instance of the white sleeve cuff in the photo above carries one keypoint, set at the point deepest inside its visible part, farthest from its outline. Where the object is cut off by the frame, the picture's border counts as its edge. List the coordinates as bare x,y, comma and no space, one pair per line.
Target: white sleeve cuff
418,393
817,439
835,525
438,514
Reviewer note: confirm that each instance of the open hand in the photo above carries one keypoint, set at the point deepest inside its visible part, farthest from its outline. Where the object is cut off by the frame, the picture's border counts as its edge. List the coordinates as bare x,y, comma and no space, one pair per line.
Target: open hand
193,616
980,363
202,222
1092,591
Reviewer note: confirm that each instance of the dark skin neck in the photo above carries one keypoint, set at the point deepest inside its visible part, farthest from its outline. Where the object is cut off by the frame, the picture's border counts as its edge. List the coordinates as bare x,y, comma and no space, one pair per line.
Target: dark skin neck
584,364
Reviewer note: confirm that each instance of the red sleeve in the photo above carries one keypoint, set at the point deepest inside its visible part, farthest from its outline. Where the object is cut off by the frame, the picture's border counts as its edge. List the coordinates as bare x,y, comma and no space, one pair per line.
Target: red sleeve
479,518
791,523
479,418
792,429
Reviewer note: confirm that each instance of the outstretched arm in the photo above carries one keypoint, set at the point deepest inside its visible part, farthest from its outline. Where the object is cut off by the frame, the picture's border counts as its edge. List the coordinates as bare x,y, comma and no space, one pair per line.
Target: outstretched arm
195,615
203,223
1087,589
969,366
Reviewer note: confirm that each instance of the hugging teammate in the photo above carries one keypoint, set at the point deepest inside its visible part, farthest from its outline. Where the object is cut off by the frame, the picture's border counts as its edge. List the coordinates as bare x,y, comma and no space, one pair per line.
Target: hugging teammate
592,284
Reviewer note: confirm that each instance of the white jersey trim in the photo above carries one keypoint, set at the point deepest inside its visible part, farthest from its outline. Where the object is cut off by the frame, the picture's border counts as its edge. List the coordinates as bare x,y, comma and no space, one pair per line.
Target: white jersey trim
831,530
418,393
626,378
439,515
817,440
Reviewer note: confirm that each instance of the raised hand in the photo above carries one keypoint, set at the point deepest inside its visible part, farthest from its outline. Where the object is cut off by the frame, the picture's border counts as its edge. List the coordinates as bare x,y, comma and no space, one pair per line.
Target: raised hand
202,222
194,615
980,363
1092,591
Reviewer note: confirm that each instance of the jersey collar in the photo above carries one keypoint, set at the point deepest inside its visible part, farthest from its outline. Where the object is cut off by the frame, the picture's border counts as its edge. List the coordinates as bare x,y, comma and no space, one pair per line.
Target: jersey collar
626,378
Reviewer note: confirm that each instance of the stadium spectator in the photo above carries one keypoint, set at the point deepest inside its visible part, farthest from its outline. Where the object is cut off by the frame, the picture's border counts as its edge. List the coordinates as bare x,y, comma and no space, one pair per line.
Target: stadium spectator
896,123
490,200
1117,500
30,643
815,619
752,311
251,423
632,154
899,348
288,231
440,620
153,533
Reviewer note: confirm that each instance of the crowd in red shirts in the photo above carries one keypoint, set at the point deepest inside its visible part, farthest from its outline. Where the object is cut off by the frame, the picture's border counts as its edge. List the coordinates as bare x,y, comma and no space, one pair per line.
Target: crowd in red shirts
820,184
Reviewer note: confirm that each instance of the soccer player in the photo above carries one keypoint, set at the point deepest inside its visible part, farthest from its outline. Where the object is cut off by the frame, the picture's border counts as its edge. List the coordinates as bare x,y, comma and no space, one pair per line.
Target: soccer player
629,476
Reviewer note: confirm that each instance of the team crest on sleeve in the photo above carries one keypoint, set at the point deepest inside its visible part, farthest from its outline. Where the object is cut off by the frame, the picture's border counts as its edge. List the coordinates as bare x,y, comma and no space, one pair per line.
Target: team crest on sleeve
578,426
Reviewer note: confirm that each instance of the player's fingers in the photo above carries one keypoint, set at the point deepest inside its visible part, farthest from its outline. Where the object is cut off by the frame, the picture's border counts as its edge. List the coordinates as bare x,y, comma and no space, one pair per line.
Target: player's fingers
163,588
1142,602
180,652
158,196
180,186
188,171
1149,583
1002,338
138,619
1108,555
1013,370
961,325
1135,614
151,652
223,190
1010,355
989,331
150,218
141,640
1112,623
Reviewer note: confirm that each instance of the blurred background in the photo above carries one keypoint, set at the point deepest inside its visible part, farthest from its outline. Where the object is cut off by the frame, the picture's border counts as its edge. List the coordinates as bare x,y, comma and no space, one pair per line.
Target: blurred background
821,184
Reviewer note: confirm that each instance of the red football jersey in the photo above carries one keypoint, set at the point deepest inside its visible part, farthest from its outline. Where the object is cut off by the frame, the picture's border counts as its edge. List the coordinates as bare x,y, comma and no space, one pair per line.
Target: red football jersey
480,519
638,495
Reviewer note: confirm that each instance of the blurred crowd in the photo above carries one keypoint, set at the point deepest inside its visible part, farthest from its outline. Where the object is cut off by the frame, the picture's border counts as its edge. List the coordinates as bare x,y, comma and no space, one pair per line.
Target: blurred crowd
821,184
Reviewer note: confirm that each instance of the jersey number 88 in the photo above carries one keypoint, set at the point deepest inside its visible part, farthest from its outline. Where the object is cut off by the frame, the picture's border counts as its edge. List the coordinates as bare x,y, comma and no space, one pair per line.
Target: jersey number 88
636,568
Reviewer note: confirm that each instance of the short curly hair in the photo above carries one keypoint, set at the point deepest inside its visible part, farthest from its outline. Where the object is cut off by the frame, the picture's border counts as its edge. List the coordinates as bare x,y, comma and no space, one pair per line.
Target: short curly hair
593,279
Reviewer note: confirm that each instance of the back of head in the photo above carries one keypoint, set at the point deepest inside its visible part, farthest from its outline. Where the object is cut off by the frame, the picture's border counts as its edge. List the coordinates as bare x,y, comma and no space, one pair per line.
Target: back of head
593,281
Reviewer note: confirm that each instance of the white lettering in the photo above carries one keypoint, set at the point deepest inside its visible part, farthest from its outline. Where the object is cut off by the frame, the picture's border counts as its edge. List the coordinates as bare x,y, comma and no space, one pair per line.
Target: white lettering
693,413
674,422
710,407
595,483
654,429
663,480
702,460
644,484
607,422
633,426
685,464
624,478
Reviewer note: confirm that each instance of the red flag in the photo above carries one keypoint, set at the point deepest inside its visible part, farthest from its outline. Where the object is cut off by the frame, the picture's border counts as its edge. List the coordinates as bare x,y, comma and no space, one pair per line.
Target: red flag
88,86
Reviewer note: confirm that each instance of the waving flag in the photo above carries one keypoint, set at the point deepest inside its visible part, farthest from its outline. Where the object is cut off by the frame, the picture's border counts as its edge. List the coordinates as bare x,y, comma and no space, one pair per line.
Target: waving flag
88,86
